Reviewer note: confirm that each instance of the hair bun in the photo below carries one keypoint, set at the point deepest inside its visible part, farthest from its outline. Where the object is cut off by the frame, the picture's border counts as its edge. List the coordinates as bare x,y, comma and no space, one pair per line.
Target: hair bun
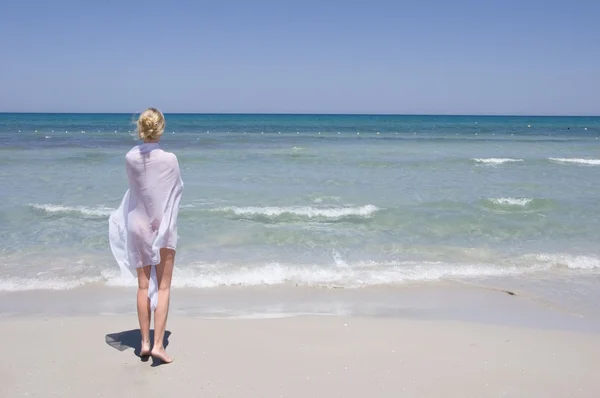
151,124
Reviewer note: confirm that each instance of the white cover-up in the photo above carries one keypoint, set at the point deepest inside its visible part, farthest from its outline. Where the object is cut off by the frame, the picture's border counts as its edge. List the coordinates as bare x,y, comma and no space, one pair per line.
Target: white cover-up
146,220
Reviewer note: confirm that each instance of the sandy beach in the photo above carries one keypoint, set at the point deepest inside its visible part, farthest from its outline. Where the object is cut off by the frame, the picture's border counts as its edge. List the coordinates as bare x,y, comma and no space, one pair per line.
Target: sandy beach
357,199
311,356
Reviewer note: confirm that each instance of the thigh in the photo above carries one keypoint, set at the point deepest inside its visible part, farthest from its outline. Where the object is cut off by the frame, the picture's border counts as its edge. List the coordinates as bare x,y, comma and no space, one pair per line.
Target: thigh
143,275
164,270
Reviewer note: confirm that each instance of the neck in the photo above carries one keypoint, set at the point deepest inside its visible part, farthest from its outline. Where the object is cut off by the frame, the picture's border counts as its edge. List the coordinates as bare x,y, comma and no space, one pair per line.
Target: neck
150,142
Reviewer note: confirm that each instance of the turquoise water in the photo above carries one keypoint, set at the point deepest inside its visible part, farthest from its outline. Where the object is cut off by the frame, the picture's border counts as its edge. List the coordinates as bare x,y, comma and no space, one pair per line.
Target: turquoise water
317,200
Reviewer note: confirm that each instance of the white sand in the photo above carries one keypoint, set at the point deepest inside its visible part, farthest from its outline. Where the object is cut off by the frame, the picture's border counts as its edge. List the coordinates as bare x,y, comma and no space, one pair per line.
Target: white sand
298,357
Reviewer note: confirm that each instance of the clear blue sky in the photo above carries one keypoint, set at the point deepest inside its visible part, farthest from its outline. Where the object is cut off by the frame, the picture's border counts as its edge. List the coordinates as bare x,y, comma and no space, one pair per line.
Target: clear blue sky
438,56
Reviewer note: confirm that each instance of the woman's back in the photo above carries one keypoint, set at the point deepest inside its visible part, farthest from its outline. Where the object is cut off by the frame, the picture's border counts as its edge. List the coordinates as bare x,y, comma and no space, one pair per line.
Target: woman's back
152,173
154,178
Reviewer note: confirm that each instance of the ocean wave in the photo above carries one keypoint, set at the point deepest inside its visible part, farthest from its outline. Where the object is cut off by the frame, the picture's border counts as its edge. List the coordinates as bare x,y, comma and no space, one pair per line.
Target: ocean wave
570,261
520,205
586,162
342,275
511,201
496,161
306,211
86,211
338,274
25,284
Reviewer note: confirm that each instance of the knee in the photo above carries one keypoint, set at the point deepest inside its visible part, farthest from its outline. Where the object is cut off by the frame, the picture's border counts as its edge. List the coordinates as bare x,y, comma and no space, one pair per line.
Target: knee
164,289
143,278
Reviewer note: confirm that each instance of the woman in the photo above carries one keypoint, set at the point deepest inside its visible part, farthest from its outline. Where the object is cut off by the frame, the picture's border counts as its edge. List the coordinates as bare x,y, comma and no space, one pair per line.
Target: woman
143,230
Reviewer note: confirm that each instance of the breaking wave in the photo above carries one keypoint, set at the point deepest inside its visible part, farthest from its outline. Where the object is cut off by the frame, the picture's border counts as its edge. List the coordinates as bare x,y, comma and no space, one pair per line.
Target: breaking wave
85,211
332,213
337,274
496,161
585,162
511,201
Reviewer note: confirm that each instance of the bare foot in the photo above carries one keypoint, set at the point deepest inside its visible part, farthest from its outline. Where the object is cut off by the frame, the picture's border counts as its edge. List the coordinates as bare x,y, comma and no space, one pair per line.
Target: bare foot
145,351
161,354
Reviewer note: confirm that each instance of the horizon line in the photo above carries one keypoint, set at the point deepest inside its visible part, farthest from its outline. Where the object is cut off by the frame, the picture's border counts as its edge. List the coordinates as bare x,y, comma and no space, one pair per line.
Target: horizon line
307,114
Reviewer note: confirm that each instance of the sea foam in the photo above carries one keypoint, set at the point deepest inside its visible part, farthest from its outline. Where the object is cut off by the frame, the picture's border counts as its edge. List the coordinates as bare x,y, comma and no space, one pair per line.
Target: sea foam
511,201
85,211
306,211
340,273
338,276
496,161
570,261
586,162
24,284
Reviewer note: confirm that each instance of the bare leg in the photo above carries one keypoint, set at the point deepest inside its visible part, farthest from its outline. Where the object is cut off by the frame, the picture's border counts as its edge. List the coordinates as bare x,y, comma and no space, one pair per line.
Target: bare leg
164,272
143,308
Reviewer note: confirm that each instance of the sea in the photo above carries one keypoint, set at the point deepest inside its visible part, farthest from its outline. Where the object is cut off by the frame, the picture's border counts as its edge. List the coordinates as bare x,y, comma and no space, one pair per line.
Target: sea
337,202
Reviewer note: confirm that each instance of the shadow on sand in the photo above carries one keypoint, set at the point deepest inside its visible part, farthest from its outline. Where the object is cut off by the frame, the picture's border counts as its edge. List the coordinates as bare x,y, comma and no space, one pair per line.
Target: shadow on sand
133,339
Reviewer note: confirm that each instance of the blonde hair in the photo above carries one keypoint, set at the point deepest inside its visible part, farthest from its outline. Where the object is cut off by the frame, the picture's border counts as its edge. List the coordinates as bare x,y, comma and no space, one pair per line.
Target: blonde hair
151,124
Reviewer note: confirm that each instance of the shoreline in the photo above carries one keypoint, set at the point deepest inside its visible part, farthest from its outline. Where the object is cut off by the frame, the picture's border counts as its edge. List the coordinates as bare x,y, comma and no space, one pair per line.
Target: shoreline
487,303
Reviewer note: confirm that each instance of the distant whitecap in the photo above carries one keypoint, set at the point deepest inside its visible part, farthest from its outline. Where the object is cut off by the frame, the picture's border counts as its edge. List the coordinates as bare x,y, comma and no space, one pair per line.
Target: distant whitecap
588,162
511,201
496,161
